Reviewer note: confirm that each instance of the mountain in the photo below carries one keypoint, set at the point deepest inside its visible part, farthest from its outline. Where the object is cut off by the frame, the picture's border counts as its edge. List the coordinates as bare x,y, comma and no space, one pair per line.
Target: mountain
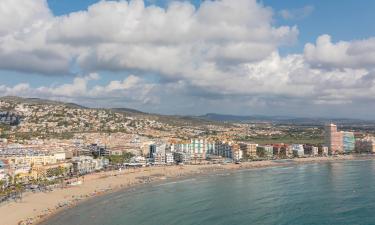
226,118
128,110
209,118
38,101
236,118
282,119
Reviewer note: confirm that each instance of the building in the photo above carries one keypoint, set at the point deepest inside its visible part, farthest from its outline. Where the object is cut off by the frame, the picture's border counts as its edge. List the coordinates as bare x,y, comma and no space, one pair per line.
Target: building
224,149
116,152
324,151
236,152
298,150
348,141
231,150
98,150
198,149
87,164
157,153
365,145
181,157
52,170
156,149
333,139
315,151
3,169
60,156
249,150
169,159
311,150
36,160
159,158
280,150
265,151
201,147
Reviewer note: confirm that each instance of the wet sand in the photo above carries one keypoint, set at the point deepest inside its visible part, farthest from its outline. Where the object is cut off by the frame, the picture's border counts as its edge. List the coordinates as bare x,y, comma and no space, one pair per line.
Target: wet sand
36,207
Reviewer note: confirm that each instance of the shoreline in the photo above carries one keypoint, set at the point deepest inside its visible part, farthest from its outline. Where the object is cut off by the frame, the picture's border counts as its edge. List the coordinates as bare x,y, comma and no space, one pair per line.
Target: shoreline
37,208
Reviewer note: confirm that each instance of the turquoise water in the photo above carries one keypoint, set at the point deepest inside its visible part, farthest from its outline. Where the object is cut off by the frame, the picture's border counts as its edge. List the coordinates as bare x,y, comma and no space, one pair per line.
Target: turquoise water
328,193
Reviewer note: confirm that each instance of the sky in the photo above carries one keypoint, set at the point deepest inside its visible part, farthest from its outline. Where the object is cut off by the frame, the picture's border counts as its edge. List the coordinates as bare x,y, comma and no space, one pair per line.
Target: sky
299,58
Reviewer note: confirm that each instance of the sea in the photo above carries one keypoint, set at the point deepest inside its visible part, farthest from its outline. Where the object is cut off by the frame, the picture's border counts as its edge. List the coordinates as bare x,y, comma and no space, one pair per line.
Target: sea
320,193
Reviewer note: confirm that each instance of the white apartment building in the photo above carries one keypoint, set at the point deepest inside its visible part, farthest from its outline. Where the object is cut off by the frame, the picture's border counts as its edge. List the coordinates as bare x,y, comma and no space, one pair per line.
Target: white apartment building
298,150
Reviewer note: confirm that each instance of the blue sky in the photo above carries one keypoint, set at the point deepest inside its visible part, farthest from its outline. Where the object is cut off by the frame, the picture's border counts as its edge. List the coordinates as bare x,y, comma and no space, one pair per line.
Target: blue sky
343,20
226,57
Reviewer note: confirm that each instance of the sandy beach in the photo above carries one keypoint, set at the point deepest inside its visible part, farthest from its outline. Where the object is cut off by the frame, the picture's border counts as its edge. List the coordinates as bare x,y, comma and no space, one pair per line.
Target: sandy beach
36,207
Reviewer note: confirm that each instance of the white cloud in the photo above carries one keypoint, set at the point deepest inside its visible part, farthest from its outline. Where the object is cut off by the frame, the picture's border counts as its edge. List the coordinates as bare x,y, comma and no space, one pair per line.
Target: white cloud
23,45
120,35
20,15
131,89
343,54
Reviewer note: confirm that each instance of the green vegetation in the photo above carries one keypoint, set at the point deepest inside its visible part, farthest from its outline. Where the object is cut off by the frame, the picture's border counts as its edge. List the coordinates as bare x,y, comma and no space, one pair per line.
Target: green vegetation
119,159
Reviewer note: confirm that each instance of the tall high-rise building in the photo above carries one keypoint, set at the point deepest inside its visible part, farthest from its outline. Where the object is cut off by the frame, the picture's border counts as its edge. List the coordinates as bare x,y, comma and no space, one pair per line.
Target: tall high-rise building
333,139
348,141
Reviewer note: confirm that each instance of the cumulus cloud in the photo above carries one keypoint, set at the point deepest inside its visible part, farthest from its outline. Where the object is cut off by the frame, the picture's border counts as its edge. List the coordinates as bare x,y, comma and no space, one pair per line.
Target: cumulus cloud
131,89
23,45
180,40
355,54
23,14
122,35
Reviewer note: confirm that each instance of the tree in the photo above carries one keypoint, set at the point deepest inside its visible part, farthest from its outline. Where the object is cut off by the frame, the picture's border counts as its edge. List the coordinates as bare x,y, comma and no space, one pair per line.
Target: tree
119,159
2,184
10,179
19,188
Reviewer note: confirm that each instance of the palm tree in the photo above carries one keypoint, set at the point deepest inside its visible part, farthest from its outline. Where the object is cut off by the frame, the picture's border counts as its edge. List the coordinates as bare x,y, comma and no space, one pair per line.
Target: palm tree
19,188
2,184
10,179
16,179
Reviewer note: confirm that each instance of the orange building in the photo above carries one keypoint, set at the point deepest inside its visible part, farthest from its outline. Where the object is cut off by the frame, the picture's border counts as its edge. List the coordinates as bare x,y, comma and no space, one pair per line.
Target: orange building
333,139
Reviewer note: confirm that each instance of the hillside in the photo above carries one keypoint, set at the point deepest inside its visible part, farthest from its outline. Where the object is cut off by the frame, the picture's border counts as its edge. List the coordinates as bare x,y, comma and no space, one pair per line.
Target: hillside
37,101
25,118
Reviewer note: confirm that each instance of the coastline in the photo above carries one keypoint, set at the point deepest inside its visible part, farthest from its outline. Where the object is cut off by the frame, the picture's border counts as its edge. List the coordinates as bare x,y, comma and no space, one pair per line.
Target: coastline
39,207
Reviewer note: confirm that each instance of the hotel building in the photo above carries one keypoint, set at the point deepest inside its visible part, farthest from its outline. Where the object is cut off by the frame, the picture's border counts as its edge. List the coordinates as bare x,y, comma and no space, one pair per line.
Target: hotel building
195,148
338,141
249,150
333,139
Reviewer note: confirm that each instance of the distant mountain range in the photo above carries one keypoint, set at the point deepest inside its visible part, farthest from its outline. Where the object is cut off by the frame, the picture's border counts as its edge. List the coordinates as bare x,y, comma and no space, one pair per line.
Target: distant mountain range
280,119
235,118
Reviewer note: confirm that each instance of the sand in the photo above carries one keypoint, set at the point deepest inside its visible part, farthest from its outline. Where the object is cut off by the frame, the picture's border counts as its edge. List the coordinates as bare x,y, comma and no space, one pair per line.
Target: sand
36,207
